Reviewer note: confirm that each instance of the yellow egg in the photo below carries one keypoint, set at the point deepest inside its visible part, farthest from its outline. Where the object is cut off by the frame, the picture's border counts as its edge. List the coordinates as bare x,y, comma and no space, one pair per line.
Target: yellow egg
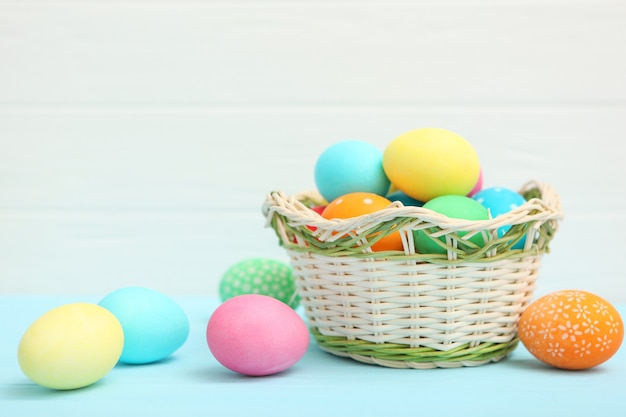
430,162
71,346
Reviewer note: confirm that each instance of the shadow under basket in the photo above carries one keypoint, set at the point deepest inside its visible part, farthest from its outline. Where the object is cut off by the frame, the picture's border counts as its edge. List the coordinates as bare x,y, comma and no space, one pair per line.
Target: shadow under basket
404,309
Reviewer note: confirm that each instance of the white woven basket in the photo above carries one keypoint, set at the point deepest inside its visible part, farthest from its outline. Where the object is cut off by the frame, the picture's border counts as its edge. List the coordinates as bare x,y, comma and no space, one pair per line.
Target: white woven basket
407,310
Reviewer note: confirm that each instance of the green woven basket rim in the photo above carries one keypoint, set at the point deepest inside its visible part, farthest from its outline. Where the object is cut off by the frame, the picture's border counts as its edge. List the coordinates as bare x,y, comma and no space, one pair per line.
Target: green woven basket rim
291,219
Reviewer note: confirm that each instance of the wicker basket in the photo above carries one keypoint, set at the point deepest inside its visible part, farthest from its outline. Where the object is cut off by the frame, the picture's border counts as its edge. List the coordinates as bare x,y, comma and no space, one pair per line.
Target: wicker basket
404,309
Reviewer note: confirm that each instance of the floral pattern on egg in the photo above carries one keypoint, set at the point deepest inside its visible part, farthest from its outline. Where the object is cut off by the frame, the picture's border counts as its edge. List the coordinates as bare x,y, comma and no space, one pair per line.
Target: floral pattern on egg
571,329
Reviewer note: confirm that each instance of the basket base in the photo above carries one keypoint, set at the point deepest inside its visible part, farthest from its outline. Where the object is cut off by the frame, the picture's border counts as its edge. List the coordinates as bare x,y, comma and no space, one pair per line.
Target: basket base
392,355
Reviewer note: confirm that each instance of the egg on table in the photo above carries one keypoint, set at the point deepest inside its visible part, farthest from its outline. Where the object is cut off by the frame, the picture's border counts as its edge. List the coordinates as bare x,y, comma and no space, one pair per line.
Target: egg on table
260,275
154,325
571,329
256,335
71,346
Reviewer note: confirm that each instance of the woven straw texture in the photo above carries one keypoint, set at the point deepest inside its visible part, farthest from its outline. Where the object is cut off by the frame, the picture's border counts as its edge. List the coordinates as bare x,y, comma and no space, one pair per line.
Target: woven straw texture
404,309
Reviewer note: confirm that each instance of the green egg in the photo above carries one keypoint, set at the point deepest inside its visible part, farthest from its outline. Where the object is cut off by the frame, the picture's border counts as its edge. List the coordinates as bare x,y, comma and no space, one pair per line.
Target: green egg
453,206
263,276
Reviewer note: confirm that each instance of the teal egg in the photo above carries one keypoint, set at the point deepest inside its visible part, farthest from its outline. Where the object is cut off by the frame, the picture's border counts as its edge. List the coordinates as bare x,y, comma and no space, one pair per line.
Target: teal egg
154,325
456,207
263,276
404,199
350,166
498,201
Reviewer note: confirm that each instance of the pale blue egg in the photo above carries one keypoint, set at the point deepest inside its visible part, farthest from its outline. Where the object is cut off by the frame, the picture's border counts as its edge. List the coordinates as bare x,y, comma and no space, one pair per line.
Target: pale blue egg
154,325
500,200
350,166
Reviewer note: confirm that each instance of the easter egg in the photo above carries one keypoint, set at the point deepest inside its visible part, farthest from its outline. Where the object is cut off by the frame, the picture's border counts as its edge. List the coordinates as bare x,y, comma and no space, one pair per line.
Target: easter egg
498,201
430,162
154,325
318,210
260,276
404,199
357,204
350,166
479,185
256,335
71,346
571,329
456,207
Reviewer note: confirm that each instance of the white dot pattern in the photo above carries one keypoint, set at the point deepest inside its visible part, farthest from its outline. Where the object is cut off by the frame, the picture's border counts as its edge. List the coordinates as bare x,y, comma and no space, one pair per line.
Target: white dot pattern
260,276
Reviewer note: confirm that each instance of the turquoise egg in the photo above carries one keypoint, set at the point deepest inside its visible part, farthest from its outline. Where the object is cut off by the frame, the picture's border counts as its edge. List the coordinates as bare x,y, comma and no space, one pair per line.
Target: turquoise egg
154,325
455,207
498,201
350,166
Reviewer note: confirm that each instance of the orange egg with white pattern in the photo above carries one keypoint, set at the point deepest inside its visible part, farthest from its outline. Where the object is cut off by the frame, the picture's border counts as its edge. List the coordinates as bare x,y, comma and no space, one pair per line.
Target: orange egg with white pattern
571,329
360,203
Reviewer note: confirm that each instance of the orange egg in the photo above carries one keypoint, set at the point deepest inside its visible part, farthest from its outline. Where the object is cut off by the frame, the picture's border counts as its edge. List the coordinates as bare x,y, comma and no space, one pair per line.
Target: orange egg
571,329
358,204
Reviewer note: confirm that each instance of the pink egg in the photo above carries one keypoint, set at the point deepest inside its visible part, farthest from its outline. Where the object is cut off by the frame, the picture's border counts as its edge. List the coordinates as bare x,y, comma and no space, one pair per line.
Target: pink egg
256,335
479,185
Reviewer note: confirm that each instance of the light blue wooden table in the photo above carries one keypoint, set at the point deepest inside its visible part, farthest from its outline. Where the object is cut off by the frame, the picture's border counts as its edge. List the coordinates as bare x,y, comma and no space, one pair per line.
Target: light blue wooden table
191,382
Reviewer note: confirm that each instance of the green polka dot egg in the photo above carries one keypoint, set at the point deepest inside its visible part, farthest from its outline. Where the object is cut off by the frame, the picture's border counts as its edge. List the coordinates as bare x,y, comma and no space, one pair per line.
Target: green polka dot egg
260,276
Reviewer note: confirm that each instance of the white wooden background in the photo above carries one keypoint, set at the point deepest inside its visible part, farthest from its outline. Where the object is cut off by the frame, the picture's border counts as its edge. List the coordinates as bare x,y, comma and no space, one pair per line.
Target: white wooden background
138,138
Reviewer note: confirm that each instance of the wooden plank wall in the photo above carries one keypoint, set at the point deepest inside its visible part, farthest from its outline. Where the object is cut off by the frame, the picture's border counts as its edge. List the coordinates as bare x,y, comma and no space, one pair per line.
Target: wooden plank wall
138,138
